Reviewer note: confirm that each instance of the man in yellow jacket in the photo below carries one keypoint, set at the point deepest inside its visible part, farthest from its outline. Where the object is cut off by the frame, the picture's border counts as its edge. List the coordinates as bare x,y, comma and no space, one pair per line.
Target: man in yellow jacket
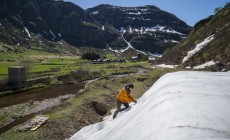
124,98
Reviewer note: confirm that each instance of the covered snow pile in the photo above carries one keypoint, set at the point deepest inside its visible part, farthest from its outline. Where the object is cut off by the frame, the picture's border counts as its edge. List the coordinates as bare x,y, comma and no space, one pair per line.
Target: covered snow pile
179,106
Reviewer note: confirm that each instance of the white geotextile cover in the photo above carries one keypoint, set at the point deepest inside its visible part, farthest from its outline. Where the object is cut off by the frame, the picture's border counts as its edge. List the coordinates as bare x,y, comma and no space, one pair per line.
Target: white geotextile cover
179,106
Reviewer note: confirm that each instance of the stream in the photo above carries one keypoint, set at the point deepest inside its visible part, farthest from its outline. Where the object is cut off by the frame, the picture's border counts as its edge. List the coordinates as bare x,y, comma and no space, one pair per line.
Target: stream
26,105
47,93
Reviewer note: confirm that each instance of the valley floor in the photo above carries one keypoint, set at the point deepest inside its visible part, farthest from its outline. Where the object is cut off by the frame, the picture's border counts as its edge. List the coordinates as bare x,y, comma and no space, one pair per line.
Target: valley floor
79,109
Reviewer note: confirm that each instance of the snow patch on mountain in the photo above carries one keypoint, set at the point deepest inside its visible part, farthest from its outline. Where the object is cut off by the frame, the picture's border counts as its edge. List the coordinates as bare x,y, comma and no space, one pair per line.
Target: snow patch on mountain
198,47
156,55
133,9
27,31
54,36
157,28
130,30
59,34
162,29
210,63
116,51
132,13
179,106
173,41
122,30
130,46
166,66
95,12
125,49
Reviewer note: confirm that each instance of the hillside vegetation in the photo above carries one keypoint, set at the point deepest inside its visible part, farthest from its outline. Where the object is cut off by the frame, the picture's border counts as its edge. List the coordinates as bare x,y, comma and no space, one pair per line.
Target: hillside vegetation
218,50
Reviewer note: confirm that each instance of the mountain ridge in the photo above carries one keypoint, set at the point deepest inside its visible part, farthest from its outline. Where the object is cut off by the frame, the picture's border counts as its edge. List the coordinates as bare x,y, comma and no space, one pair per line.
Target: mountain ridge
146,28
147,9
59,20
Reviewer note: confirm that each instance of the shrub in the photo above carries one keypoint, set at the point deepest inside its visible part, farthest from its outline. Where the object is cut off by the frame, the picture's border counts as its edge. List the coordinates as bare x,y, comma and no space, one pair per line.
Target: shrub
82,75
90,56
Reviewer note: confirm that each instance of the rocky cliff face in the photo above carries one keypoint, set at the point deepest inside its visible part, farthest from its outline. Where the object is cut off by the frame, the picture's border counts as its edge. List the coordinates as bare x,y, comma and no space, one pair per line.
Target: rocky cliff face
207,44
146,28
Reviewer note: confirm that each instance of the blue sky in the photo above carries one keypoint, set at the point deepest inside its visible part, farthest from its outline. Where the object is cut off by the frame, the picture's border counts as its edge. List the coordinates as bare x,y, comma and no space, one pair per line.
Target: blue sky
190,11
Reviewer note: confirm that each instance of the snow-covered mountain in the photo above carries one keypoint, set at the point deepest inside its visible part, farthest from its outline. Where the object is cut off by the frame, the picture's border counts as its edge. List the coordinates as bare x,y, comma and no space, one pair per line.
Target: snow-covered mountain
179,106
146,28
137,17
207,45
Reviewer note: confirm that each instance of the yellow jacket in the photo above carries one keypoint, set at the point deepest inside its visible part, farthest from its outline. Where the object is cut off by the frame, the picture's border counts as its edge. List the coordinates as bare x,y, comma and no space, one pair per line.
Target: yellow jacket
124,97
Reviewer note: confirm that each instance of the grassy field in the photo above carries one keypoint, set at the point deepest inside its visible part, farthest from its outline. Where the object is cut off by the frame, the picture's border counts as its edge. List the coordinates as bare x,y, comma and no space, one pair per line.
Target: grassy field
55,65
37,63
141,74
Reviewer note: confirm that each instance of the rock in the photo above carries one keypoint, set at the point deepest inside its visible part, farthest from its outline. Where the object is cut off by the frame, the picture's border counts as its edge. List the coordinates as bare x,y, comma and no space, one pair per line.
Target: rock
23,128
100,108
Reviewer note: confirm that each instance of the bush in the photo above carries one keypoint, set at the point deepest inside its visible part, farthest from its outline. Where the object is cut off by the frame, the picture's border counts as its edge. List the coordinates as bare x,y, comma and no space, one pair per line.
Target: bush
3,84
82,75
90,56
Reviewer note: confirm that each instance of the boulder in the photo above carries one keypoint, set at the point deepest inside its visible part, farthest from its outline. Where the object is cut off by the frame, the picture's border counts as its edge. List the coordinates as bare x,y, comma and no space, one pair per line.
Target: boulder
99,107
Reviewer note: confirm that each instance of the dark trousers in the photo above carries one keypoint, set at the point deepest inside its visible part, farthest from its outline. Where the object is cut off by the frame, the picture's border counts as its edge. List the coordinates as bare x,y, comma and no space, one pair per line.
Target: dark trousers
119,103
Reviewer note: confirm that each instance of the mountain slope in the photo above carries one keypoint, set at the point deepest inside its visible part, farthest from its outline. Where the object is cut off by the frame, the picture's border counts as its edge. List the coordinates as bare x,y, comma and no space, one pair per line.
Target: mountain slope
217,49
179,106
146,28
135,17
53,20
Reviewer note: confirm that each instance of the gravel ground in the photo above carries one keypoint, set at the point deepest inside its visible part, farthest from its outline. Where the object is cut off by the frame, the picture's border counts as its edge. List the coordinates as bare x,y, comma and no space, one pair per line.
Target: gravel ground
18,111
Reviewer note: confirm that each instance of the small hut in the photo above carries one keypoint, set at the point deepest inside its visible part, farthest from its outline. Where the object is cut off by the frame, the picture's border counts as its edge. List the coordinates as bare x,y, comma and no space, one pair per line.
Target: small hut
17,74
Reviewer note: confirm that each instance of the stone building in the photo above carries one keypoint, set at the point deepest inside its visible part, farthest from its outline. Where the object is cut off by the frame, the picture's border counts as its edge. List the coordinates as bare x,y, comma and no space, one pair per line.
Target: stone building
17,74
